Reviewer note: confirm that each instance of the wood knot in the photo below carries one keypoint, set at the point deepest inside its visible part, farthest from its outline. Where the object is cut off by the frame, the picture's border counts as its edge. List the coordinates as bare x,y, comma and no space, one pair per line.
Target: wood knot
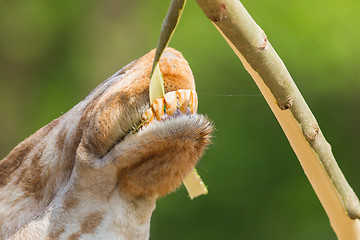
312,134
263,41
286,105
218,16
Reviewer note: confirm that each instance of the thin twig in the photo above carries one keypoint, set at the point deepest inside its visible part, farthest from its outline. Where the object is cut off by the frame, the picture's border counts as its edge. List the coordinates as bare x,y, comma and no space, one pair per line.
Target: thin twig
168,27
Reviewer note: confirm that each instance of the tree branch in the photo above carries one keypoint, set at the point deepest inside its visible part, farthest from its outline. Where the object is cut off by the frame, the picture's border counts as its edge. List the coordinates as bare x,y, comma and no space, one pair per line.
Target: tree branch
259,58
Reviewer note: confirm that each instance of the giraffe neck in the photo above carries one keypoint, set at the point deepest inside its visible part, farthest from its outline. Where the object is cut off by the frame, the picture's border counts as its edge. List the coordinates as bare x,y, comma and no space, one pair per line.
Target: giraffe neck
59,198
34,171
108,216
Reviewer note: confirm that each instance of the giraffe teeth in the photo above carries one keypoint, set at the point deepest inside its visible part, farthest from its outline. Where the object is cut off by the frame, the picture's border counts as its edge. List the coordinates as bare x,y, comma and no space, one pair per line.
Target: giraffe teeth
193,101
170,102
183,99
174,102
147,116
158,108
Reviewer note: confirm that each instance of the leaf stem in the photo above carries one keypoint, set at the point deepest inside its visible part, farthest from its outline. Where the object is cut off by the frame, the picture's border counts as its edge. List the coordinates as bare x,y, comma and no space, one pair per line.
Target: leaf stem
168,27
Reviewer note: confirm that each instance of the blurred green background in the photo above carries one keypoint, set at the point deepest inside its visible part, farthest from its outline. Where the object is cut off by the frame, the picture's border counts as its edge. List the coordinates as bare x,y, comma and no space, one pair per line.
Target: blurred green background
53,53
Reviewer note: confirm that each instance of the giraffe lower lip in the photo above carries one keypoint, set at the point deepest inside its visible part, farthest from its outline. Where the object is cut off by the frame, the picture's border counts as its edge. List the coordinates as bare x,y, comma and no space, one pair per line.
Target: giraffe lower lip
177,113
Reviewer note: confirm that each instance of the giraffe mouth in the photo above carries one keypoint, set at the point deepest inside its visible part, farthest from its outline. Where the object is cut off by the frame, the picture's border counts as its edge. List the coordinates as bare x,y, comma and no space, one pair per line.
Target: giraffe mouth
166,147
172,105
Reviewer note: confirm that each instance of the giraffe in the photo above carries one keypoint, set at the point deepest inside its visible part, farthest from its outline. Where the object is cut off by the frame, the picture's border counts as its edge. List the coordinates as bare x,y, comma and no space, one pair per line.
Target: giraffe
93,173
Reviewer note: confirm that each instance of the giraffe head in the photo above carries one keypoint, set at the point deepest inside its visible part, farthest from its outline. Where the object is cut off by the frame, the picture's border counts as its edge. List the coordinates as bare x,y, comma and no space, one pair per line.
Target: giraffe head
151,160
94,171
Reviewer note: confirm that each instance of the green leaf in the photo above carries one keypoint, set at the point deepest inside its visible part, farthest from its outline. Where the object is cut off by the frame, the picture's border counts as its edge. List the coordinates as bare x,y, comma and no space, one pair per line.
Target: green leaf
156,87
194,185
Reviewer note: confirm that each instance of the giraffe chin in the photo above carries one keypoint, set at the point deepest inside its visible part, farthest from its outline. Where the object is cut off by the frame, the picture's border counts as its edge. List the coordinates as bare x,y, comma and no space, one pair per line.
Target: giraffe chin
166,151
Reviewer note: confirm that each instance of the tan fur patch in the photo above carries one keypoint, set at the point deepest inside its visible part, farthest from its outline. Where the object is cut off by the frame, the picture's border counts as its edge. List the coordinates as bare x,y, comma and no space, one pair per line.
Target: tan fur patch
16,157
60,141
75,236
89,225
9,164
33,182
55,235
70,202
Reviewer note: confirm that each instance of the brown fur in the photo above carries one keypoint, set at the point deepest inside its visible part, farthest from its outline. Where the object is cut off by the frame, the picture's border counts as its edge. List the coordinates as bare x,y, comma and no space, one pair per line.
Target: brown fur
84,173
55,235
158,170
16,157
88,225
